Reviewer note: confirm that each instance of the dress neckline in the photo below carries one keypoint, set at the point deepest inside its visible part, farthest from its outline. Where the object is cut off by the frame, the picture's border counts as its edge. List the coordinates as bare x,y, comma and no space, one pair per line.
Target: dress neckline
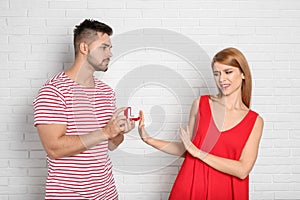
235,126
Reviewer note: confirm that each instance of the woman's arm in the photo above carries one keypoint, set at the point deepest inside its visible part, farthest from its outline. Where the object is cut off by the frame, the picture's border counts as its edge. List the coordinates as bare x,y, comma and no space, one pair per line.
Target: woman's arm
239,168
173,148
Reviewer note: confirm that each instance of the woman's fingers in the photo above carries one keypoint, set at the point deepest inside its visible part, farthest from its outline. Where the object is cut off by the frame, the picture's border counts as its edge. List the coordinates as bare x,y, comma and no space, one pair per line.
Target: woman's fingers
142,119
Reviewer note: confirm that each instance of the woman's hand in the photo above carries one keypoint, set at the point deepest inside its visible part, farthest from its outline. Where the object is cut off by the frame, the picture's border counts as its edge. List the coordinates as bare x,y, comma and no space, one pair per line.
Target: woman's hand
186,137
143,133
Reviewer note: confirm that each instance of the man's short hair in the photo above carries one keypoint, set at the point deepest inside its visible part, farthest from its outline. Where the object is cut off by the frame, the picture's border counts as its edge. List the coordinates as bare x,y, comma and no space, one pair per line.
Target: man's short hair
87,30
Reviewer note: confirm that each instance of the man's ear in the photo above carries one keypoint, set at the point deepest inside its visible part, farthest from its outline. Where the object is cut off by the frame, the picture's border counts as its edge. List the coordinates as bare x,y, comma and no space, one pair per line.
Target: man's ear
83,48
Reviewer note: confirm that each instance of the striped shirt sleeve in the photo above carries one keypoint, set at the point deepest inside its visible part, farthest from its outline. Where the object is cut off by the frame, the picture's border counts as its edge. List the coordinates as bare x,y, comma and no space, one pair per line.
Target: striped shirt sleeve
49,106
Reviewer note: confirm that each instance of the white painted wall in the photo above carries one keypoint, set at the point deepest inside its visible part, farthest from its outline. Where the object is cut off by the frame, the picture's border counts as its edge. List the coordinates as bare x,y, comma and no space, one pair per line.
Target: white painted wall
36,43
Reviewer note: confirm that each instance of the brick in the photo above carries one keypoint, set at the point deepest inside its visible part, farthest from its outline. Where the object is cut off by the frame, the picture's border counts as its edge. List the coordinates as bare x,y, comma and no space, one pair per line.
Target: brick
51,48
52,39
3,182
150,23
37,190
4,4
261,178
33,136
9,154
26,197
3,39
13,65
262,195
37,172
27,39
286,178
159,187
16,48
4,92
15,30
14,12
24,21
26,145
18,181
142,196
44,30
278,169
13,190
13,101
272,187
144,5
123,13
28,4
129,188
42,56
11,172
68,4
287,195
25,163
271,152
4,163
160,13
47,13
82,13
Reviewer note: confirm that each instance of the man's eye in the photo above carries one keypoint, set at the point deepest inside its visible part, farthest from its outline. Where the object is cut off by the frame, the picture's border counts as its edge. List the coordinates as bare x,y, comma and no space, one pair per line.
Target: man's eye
228,72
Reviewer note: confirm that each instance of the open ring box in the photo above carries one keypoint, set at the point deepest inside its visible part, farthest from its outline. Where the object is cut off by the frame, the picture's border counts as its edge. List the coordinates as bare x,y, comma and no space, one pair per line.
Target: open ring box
128,114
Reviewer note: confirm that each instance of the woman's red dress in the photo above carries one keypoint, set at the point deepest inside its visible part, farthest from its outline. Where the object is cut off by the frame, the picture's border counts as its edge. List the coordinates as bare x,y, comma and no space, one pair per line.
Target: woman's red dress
198,181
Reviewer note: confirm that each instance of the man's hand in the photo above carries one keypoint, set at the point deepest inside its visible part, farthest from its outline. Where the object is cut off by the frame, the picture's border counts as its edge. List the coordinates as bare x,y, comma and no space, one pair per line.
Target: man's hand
118,124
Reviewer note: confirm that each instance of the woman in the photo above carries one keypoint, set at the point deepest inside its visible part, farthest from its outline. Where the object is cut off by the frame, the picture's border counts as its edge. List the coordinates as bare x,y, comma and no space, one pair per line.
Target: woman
220,143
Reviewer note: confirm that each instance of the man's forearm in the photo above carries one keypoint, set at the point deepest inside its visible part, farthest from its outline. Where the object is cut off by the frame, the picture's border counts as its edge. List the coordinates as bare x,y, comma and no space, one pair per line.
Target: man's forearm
93,138
115,142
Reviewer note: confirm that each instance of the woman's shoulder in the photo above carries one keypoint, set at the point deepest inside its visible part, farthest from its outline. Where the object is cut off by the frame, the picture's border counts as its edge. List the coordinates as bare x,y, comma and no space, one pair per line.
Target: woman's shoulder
259,118
197,101
255,113
207,96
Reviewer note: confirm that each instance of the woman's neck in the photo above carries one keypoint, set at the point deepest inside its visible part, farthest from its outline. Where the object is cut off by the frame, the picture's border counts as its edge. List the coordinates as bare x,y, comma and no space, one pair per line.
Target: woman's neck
233,102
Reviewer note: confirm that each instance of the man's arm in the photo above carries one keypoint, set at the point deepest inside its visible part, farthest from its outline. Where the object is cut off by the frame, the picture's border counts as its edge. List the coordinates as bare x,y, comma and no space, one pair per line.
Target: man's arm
57,144
115,142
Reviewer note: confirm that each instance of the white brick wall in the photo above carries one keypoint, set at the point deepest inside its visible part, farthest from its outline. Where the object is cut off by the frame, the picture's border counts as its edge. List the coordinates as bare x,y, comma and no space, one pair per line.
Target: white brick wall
36,42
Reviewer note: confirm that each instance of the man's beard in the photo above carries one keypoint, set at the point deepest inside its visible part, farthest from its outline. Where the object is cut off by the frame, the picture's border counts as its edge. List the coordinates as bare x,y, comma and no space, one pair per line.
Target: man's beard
106,61
98,66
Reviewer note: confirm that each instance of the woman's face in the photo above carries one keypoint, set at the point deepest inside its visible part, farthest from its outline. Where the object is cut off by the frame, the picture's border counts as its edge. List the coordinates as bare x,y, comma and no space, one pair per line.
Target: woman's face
229,79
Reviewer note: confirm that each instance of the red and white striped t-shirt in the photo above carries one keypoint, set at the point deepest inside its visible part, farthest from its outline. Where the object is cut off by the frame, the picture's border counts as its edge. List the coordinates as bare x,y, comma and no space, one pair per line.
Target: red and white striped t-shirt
87,175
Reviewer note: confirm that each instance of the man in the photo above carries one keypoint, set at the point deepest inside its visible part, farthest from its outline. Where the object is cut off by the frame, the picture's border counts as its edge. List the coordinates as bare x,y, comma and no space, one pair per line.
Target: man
76,122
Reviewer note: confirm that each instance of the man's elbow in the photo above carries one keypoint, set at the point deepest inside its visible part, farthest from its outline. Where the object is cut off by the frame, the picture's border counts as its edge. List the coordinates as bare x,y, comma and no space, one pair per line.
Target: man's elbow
52,154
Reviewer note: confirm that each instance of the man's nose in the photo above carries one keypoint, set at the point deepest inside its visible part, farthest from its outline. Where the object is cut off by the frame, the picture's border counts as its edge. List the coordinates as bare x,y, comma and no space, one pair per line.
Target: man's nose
110,53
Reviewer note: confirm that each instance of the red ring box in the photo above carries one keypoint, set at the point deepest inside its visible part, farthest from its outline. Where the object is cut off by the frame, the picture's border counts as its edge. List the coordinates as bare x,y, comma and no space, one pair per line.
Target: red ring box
127,113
